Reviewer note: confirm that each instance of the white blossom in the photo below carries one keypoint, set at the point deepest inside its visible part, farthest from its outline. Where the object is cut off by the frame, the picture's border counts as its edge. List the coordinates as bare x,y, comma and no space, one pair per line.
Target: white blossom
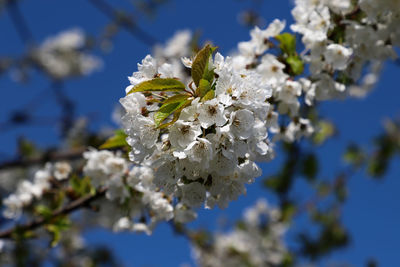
62,55
337,56
183,133
62,170
259,242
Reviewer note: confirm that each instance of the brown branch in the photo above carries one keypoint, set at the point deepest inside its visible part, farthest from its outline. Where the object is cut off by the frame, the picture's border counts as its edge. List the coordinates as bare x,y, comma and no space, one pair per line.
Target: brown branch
53,156
20,23
36,223
127,23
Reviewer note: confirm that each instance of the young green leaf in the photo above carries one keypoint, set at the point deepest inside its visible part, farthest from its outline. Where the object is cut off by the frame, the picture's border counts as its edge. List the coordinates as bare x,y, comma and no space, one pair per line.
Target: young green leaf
209,74
176,99
43,211
118,140
310,167
200,64
159,84
59,224
27,148
171,105
203,88
81,186
177,112
208,96
287,43
296,64
326,129
164,112
354,155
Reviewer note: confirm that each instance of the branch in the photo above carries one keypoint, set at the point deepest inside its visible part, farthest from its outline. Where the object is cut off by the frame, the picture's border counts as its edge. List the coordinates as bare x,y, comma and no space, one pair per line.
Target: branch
67,108
19,22
36,223
54,156
124,21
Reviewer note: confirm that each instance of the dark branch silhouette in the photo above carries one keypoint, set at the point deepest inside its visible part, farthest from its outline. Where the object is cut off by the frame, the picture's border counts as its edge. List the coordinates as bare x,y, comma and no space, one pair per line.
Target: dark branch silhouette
52,156
36,223
20,23
123,20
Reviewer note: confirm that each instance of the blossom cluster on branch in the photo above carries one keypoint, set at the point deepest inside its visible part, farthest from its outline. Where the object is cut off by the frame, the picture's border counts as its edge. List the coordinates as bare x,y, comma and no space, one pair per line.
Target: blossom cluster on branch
204,135
197,124
257,240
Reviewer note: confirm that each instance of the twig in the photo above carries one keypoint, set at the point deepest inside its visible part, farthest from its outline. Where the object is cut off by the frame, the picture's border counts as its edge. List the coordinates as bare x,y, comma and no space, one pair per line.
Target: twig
67,108
36,223
19,22
125,22
56,156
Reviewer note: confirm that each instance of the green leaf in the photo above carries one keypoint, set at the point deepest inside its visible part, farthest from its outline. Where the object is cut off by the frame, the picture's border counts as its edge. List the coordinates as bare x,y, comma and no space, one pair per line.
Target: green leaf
344,78
56,235
159,84
288,211
44,211
354,155
81,186
116,141
208,96
177,112
337,34
341,192
240,225
325,130
60,224
323,189
209,74
287,43
58,199
26,148
200,64
203,88
296,64
171,105
164,112
377,167
279,183
310,167
288,260
176,99
22,234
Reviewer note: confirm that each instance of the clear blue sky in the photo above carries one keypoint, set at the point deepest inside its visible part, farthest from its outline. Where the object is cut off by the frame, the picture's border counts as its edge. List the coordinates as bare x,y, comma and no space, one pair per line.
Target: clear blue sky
372,211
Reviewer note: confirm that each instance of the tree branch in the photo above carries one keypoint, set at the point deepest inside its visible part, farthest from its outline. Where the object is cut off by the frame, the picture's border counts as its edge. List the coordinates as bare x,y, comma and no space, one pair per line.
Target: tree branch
19,22
36,223
124,21
54,156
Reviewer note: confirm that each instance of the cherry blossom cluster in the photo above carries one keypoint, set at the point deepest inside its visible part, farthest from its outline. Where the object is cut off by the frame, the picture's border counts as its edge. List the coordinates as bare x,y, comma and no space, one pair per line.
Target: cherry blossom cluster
132,201
346,43
27,191
63,55
256,241
209,153
253,58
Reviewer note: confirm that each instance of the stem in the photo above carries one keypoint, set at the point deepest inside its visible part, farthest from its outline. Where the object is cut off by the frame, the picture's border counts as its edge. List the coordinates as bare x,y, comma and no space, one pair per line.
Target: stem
56,156
36,223
124,21
19,22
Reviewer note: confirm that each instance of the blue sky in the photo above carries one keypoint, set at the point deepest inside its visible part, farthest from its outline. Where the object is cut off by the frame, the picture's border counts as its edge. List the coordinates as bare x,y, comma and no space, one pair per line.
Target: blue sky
372,211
